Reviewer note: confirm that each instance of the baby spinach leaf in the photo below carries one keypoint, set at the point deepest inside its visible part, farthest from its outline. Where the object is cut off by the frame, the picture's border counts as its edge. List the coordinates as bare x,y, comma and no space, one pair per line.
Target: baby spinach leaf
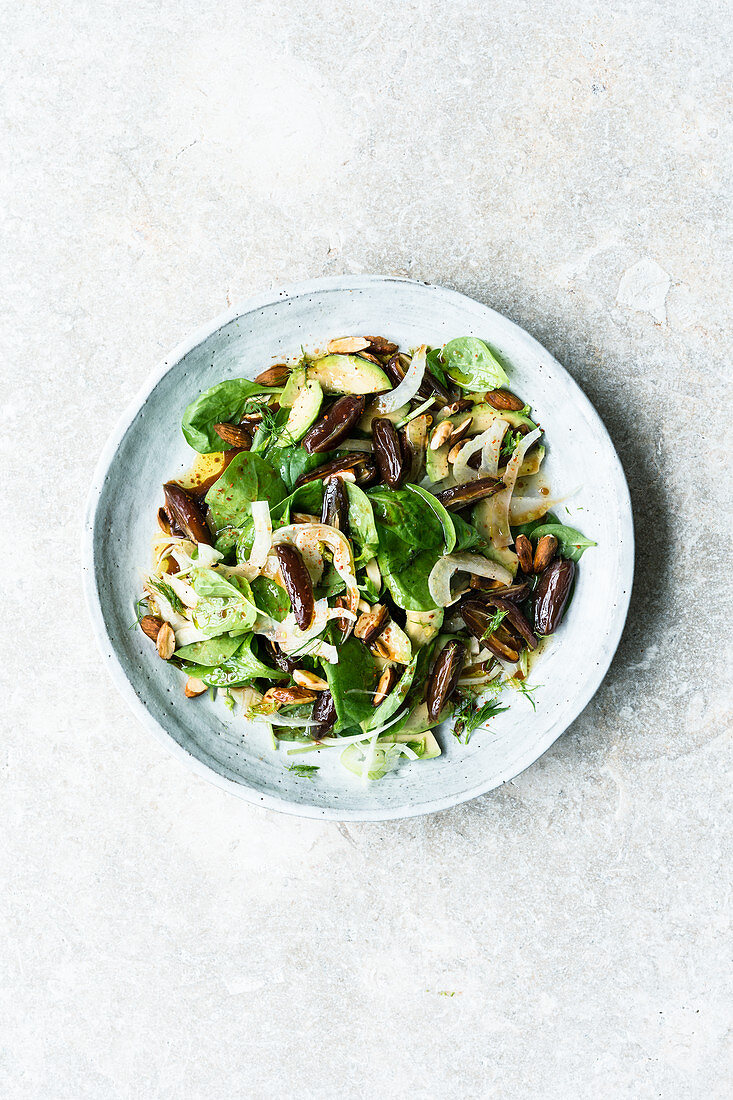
352,681
394,700
408,586
241,668
434,364
270,598
222,404
362,528
207,582
225,606
291,462
528,528
444,517
247,477
211,652
571,543
467,537
471,364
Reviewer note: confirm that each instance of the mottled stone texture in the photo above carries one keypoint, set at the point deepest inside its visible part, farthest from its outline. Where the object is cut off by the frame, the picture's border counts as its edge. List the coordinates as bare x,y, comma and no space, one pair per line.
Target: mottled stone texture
564,937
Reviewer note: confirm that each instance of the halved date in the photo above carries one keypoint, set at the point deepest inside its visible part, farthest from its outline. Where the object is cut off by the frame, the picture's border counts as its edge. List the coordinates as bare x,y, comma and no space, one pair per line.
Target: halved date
298,585
388,451
444,677
323,715
335,510
461,496
327,432
552,595
186,513
355,465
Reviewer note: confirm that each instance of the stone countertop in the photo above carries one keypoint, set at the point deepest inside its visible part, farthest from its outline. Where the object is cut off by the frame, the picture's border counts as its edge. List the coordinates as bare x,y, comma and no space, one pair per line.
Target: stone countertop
566,936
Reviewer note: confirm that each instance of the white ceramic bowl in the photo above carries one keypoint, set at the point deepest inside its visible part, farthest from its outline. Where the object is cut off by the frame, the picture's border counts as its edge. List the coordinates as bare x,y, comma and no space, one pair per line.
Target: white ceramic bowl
147,448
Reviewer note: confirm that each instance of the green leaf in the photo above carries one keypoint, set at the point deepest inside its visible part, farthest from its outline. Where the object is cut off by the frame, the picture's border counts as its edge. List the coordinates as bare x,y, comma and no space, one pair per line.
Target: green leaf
352,682
409,586
571,543
214,651
394,700
247,477
362,528
270,598
471,364
239,670
223,404
225,606
444,517
434,364
292,462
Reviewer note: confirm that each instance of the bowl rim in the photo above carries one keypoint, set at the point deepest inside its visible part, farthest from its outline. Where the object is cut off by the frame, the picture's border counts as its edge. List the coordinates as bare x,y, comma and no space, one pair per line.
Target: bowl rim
114,665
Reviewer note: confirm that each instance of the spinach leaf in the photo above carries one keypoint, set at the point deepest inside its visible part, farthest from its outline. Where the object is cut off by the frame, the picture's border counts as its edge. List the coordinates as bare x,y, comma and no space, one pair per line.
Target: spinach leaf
270,598
247,477
308,498
434,364
241,668
352,681
444,517
222,404
473,365
225,606
408,587
406,525
394,700
362,528
214,651
571,543
467,537
291,462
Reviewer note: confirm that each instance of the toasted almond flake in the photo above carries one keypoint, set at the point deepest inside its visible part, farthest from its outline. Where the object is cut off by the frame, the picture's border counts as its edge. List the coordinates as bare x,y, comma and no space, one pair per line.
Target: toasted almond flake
347,345
441,435
194,687
309,680
166,642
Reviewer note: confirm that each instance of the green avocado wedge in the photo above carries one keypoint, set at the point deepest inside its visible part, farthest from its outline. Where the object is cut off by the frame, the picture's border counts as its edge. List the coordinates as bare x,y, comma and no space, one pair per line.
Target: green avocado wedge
348,374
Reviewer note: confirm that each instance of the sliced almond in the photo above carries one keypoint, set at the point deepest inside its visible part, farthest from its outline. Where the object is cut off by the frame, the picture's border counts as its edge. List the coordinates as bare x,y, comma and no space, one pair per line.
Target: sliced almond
463,404
387,681
306,679
461,430
234,434
544,553
441,435
166,642
194,687
453,452
276,375
523,549
347,345
502,399
381,346
151,626
277,697
371,624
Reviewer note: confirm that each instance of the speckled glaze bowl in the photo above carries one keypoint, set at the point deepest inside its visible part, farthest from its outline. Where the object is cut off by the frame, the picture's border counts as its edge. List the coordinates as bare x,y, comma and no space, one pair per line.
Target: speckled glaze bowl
147,448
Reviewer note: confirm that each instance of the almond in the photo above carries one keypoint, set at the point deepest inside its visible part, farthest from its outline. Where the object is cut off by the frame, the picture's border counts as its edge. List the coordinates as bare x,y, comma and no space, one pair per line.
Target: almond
441,435
523,548
381,346
276,375
166,642
347,345
544,553
234,434
461,430
386,682
453,452
277,697
194,687
502,399
150,626
309,680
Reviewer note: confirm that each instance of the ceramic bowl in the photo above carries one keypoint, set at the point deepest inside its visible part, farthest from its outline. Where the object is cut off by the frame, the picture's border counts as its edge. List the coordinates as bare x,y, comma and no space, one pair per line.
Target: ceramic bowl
147,448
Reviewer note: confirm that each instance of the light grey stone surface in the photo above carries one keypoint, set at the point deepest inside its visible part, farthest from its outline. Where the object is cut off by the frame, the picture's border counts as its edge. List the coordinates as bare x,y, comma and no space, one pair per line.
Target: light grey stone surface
566,936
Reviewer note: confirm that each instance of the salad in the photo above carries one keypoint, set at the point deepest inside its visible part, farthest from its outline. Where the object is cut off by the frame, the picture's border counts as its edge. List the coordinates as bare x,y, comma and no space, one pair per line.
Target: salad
362,549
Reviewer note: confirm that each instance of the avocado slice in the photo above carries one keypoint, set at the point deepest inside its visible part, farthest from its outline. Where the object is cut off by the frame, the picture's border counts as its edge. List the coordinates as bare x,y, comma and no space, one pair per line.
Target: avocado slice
422,626
348,374
303,413
436,463
293,386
